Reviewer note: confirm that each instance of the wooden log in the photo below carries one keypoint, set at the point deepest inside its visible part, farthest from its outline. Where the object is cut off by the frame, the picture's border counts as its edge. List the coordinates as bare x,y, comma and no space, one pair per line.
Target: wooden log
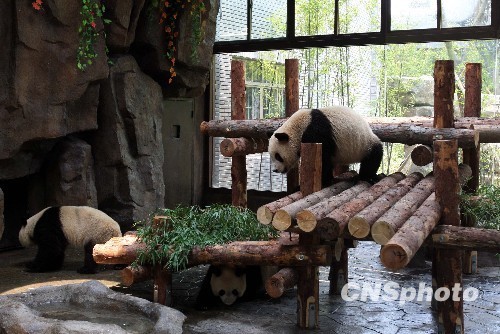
471,156
447,263
359,226
310,165
422,155
245,253
238,110
162,290
266,212
291,106
410,134
333,225
118,250
131,275
444,90
447,182
387,129
230,147
386,225
401,248
282,219
307,219
459,237
283,280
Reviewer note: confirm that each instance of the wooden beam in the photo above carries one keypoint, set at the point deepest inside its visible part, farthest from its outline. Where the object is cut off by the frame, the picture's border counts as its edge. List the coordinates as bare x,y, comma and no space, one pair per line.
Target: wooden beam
292,101
238,111
266,212
360,224
230,147
284,216
283,280
470,238
333,225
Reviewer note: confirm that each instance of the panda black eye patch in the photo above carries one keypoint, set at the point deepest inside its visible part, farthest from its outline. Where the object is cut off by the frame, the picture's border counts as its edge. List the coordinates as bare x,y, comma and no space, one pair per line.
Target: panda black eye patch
235,292
221,292
278,157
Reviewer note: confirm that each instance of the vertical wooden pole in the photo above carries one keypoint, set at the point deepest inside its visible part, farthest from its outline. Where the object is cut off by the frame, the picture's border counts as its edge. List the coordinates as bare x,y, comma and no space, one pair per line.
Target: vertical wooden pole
162,280
448,268
471,156
291,106
339,268
238,110
447,264
308,283
444,89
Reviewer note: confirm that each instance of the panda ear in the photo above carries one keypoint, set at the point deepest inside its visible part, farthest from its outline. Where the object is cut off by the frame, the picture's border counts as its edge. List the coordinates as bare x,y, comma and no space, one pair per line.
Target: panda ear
217,271
282,137
239,271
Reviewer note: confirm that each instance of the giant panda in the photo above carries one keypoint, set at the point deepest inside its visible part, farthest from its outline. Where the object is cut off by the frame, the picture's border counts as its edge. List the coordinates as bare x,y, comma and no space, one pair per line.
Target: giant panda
346,137
54,228
224,285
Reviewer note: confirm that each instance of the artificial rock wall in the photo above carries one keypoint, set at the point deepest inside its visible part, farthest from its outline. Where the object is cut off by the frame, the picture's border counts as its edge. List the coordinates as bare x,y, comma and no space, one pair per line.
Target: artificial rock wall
90,137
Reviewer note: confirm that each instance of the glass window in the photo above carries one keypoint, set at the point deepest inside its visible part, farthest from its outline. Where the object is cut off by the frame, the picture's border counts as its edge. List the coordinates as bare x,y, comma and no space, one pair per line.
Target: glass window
231,21
268,19
359,16
466,13
413,14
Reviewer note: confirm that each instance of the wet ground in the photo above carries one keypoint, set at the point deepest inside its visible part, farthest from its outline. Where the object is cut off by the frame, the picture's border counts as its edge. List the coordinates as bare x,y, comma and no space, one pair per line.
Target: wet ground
265,315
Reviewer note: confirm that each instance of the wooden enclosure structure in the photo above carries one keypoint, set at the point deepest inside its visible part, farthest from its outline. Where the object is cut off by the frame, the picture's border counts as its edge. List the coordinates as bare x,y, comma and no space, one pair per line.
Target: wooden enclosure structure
400,212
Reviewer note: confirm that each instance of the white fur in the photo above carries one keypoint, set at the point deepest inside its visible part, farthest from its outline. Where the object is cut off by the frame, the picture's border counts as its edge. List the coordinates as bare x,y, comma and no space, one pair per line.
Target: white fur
353,137
228,281
80,225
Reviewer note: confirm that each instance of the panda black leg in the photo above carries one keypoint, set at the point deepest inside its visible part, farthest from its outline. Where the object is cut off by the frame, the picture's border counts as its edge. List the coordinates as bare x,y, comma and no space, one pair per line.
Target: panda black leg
49,257
371,163
89,265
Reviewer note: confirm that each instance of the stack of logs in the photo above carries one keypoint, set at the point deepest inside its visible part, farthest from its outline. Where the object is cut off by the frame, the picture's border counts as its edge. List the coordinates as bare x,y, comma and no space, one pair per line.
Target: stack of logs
398,212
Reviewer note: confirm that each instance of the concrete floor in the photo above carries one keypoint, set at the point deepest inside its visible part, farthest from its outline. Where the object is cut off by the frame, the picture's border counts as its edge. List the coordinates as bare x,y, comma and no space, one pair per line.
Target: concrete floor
278,316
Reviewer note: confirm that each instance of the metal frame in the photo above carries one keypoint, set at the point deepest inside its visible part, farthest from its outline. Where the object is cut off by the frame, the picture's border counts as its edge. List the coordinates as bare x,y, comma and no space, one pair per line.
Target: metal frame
384,36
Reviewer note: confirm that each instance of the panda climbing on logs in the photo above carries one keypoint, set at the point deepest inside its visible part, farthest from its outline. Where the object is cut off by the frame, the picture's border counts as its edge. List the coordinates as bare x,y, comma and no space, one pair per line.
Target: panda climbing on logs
54,228
346,137
227,284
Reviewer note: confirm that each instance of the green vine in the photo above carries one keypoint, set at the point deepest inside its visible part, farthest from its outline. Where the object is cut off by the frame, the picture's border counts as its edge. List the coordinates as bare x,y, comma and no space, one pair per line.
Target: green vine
91,11
170,12
170,242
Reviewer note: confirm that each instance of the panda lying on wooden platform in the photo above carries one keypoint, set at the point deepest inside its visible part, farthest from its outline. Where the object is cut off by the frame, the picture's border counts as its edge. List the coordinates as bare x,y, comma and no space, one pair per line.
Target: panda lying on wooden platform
346,137
227,284
54,228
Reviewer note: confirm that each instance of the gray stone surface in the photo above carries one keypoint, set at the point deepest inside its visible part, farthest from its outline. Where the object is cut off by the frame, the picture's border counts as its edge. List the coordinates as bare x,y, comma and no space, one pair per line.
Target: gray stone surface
43,95
69,174
128,148
20,312
124,15
1,213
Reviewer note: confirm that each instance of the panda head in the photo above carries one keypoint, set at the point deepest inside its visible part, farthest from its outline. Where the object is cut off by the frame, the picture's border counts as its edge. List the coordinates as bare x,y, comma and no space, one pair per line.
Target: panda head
284,150
228,283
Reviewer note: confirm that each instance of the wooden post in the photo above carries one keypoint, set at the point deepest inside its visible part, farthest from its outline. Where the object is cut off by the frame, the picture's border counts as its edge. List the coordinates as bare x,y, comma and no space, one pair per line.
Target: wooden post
471,156
448,262
291,106
308,283
162,279
238,110
444,89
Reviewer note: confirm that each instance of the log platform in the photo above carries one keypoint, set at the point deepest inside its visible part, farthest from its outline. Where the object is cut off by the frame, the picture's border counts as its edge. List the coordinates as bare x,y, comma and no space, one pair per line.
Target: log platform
399,212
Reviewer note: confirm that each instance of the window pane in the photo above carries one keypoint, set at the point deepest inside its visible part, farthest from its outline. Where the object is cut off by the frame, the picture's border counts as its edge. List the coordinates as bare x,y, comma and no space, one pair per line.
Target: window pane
314,17
466,13
359,16
232,20
411,14
268,19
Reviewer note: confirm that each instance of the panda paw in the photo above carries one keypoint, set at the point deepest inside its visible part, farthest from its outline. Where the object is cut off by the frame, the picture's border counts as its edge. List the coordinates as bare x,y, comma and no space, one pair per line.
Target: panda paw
86,270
